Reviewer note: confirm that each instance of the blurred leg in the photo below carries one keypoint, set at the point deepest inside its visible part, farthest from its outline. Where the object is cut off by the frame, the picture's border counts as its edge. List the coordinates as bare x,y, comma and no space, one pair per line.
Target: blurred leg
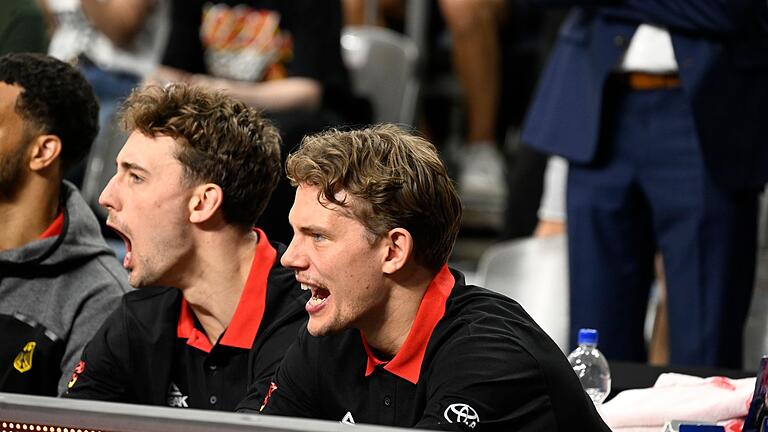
610,248
707,235
610,235
355,11
474,27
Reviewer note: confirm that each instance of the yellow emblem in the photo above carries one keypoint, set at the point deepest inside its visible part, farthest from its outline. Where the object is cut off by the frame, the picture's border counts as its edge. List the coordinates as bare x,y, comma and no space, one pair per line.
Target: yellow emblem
23,361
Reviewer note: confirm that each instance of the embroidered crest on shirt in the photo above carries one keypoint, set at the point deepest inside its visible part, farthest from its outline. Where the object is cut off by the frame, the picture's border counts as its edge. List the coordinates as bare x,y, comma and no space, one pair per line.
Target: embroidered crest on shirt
348,418
80,368
462,413
175,398
272,387
23,361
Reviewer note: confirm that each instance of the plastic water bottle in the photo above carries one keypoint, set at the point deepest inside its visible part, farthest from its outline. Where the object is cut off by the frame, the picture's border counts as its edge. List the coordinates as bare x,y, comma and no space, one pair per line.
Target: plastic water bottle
591,366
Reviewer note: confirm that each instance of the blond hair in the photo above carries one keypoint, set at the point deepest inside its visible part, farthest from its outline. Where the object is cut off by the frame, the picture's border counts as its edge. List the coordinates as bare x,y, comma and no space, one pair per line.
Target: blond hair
397,177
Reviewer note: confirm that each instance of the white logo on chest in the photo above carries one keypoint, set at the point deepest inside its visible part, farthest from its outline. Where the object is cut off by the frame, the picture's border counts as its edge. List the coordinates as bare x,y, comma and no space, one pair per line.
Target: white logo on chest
348,418
462,413
175,398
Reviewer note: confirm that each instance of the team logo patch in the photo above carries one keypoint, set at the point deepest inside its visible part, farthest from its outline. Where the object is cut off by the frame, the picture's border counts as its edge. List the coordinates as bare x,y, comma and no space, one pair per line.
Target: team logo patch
175,398
348,418
23,360
462,413
80,368
272,387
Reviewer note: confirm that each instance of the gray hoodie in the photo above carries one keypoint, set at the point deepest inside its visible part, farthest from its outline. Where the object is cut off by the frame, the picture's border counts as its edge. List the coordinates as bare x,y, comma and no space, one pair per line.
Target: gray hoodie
54,295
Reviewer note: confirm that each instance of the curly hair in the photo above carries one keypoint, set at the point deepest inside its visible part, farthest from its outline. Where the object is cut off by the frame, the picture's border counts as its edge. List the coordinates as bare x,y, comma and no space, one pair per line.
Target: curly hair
220,140
56,99
396,178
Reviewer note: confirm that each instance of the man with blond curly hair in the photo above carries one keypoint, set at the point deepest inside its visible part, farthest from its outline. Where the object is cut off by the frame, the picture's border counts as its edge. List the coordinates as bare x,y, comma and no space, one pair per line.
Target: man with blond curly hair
394,336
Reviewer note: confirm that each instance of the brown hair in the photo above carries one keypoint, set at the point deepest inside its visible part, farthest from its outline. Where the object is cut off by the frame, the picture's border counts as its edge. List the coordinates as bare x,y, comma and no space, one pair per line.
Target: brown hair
397,178
220,140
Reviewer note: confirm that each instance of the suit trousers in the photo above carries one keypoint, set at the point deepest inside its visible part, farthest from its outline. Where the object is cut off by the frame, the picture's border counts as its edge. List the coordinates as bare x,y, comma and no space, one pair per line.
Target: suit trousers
647,190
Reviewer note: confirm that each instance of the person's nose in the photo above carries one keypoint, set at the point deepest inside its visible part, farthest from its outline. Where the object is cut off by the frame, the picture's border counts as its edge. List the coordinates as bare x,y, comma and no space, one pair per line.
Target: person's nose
293,257
108,198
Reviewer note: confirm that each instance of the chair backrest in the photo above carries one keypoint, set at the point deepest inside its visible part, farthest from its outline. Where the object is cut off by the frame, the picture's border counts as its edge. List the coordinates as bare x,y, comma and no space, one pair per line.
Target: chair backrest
383,65
534,272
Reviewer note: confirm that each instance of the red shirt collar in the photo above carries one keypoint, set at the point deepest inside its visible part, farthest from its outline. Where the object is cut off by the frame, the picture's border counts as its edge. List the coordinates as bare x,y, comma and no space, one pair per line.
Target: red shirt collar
250,309
407,362
54,228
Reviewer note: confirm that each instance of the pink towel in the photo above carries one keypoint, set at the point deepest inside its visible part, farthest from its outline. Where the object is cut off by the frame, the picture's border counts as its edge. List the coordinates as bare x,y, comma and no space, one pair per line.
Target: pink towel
679,397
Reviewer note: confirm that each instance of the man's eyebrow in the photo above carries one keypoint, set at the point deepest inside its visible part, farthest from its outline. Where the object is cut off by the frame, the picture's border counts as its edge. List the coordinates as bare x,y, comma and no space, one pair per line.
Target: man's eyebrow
308,229
133,167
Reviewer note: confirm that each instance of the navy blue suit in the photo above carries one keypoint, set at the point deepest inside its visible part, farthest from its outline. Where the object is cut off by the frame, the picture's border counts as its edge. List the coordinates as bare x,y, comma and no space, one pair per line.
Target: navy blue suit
676,170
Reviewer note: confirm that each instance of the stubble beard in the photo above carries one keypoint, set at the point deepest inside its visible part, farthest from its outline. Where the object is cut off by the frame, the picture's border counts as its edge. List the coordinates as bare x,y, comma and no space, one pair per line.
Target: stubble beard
11,167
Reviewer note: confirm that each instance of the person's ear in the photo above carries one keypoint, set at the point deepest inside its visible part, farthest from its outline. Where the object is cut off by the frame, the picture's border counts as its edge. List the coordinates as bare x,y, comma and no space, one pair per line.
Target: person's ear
44,151
205,201
399,244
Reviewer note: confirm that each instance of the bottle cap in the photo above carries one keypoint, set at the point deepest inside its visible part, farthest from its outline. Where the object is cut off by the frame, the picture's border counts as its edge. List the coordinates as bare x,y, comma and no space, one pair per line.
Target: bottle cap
587,336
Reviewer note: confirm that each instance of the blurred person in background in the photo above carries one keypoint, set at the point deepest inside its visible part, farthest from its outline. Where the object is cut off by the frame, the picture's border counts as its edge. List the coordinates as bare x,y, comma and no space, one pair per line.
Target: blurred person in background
58,278
115,44
474,27
281,56
23,27
552,216
495,49
639,97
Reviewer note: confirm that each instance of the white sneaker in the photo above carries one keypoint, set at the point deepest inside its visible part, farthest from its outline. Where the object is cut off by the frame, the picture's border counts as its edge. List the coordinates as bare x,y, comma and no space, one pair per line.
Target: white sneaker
482,182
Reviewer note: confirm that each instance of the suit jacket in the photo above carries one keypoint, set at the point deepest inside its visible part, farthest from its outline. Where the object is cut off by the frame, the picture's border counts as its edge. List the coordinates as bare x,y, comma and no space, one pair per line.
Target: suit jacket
721,47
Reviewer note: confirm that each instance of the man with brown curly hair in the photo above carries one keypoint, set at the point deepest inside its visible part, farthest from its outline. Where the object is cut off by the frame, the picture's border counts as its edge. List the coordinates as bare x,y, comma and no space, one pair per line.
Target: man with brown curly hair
192,179
394,336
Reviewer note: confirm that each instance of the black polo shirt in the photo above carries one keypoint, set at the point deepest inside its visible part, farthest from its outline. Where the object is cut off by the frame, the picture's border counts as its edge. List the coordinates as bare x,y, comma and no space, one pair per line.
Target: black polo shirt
152,349
473,360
